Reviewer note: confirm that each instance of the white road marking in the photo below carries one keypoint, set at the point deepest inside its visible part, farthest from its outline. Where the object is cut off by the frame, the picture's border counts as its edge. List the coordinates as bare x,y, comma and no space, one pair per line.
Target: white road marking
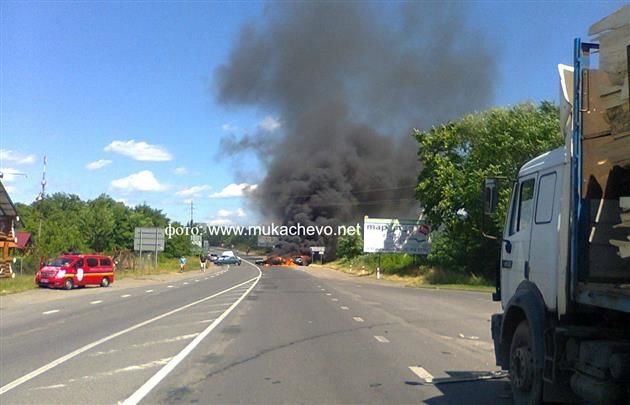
164,371
52,311
134,367
207,320
125,295
334,299
169,286
96,302
48,387
381,339
422,373
358,319
345,308
329,294
185,282
323,289
63,359
167,340
149,291
196,281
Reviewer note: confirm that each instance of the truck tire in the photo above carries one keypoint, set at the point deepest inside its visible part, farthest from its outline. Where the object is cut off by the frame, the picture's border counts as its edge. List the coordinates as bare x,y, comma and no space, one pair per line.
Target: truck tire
105,282
525,378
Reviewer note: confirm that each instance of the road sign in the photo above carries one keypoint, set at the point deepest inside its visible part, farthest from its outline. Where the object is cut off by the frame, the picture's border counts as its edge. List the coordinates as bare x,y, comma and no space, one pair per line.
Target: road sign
196,240
148,240
318,249
387,235
267,241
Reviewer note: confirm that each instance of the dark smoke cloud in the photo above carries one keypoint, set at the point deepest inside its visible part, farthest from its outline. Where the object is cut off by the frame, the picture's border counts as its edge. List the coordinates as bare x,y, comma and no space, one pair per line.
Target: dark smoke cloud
349,81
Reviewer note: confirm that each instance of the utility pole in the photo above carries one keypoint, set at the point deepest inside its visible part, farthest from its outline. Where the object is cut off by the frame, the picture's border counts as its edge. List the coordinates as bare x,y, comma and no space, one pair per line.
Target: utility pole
191,213
40,198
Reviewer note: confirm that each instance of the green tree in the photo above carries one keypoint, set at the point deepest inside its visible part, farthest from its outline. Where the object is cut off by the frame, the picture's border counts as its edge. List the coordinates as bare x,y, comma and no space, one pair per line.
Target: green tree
349,246
98,224
457,156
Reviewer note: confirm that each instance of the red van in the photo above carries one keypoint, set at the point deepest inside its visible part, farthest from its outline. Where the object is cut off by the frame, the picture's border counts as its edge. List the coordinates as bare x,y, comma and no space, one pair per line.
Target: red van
74,270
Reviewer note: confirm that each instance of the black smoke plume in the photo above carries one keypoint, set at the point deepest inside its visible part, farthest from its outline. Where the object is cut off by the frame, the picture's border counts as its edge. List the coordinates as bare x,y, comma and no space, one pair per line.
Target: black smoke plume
349,80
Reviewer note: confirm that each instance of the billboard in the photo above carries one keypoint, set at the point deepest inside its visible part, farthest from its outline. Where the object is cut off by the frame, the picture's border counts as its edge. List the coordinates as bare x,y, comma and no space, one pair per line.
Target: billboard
392,235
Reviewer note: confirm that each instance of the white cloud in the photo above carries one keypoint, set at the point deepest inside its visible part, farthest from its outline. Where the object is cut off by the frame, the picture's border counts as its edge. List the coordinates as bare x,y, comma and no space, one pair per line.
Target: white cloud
141,181
229,128
9,174
16,157
235,213
234,190
98,164
180,171
140,151
219,221
269,124
194,191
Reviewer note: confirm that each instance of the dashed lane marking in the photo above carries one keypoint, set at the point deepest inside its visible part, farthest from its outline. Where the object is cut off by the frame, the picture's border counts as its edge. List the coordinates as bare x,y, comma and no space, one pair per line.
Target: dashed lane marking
345,308
96,302
52,311
422,373
27,377
149,291
125,295
358,319
381,339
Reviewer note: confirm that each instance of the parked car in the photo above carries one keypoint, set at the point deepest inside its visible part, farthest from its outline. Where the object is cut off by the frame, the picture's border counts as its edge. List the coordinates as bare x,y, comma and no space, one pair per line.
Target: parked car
76,270
213,257
228,260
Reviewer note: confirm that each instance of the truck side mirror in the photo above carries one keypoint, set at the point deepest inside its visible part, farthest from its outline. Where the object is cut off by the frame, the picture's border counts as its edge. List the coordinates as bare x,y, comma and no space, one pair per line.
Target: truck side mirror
491,196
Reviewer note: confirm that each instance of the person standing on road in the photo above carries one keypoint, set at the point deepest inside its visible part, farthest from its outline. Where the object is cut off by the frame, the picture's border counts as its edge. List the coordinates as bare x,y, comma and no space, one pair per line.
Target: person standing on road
182,264
202,262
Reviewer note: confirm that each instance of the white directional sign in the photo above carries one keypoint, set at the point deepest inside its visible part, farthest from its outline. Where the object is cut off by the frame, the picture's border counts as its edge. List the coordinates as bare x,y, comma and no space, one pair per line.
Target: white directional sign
148,240
318,249
387,235
267,241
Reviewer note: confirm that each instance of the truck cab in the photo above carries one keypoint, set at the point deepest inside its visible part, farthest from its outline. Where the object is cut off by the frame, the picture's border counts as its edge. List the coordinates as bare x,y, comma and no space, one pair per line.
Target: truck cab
564,270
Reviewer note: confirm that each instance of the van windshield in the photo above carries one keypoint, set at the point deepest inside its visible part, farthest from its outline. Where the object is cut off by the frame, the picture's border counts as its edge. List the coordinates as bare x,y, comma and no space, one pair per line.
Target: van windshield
60,261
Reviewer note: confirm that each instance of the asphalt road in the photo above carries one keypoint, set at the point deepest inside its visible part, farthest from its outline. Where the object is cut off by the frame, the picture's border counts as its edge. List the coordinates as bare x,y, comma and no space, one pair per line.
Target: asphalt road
238,335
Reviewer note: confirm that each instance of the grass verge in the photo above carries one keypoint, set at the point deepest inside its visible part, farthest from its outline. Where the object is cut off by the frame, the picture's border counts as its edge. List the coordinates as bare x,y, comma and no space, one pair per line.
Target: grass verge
411,272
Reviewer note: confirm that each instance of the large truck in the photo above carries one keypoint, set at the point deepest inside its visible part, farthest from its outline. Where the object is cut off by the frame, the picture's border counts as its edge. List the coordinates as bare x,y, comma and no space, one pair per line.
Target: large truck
564,285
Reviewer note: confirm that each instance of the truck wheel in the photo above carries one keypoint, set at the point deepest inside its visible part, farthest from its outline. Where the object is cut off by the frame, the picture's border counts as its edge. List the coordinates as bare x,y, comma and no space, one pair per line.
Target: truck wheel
525,378
68,284
104,282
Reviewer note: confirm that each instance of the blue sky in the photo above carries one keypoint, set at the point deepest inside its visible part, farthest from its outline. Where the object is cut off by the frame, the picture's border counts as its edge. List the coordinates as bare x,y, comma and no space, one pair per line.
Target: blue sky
118,94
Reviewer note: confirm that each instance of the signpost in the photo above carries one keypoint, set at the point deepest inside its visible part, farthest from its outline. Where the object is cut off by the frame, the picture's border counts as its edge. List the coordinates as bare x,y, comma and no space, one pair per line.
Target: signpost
148,240
319,250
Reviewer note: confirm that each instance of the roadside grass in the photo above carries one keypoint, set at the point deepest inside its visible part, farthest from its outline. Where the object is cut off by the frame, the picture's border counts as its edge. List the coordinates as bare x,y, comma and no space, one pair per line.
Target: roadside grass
21,282
412,272
25,282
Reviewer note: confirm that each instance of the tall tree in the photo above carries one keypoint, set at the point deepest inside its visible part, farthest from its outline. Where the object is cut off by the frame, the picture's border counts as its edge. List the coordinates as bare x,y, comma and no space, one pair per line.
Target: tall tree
457,156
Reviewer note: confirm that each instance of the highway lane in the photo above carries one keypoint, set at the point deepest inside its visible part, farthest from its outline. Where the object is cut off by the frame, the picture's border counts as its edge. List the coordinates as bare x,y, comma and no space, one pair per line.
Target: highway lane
307,335
138,330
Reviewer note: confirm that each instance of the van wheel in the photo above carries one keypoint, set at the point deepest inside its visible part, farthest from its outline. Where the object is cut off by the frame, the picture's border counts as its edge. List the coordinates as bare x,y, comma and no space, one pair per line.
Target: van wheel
525,378
105,282
68,284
